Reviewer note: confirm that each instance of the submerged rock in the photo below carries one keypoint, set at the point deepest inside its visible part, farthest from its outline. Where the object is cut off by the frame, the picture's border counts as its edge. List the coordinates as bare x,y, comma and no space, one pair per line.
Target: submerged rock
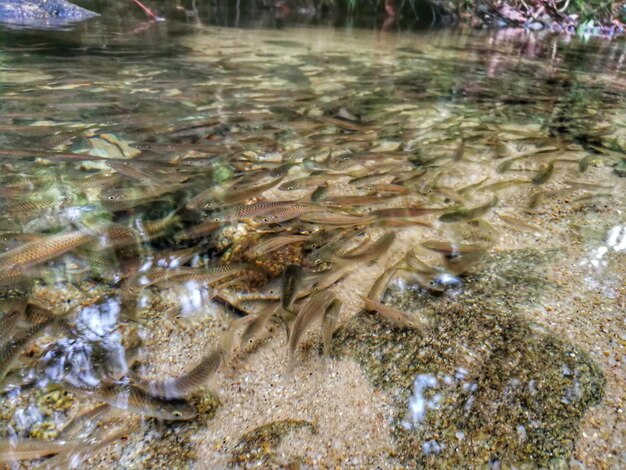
483,386
25,11
259,446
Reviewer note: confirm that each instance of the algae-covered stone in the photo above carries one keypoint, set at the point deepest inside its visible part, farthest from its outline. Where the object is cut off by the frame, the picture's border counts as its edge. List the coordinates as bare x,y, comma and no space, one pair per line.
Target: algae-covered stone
259,446
483,385
206,405
620,168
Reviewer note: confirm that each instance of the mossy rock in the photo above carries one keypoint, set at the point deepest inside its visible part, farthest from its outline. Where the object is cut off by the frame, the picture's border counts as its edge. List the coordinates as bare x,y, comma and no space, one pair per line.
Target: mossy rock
483,384
259,446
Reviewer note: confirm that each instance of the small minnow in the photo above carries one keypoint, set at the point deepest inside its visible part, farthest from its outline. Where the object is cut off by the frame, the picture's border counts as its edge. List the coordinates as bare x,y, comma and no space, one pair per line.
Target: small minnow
467,214
202,229
393,315
194,379
291,281
319,193
130,171
39,251
371,251
10,350
503,185
544,174
589,186
518,223
258,323
251,210
285,213
30,449
343,124
379,287
452,249
274,243
314,307
136,400
73,457
332,247
88,418
331,218
118,236
9,322
404,212
329,321
211,274
328,278
307,182
459,151
234,195
537,198
366,199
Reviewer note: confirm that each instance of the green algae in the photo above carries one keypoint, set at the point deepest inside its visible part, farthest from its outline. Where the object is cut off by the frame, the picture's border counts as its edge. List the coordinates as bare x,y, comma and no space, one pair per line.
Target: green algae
206,405
488,385
259,446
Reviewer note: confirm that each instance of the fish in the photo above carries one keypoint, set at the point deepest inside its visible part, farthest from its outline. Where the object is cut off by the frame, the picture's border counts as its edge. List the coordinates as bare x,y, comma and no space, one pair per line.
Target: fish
589,186
232,195
537,198
118,236
285,213
544,174
84,422
182,386
313,308
462,214
127,169
377,291
320,193
74,457
210,274
332,218
395,316
258,323
307,182
451,249
12,311
518,223
276,242
459,151
364,200
343,124
251,210
333,247
39,251
17,276
132,398
200,230
498,185
291,281
10,350
30,449
364,181
370,252
404,212
329,322
328,278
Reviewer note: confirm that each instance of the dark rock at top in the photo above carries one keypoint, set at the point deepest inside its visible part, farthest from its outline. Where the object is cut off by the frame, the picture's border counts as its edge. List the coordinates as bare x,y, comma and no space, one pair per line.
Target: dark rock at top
24,11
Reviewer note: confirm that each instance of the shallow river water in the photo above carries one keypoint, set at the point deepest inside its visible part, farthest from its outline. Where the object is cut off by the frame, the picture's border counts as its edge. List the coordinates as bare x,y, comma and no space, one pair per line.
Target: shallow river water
311,247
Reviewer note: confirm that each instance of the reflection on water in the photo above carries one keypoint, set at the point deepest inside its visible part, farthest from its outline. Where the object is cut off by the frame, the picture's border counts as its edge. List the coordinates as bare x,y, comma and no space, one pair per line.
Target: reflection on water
157,184
597,262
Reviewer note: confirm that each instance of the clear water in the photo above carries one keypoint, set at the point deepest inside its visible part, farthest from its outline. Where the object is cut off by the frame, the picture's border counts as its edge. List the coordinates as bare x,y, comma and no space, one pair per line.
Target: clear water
147,138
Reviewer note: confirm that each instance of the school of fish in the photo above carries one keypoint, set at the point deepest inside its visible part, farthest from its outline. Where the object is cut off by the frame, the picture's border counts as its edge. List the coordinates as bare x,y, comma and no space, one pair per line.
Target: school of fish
267,211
